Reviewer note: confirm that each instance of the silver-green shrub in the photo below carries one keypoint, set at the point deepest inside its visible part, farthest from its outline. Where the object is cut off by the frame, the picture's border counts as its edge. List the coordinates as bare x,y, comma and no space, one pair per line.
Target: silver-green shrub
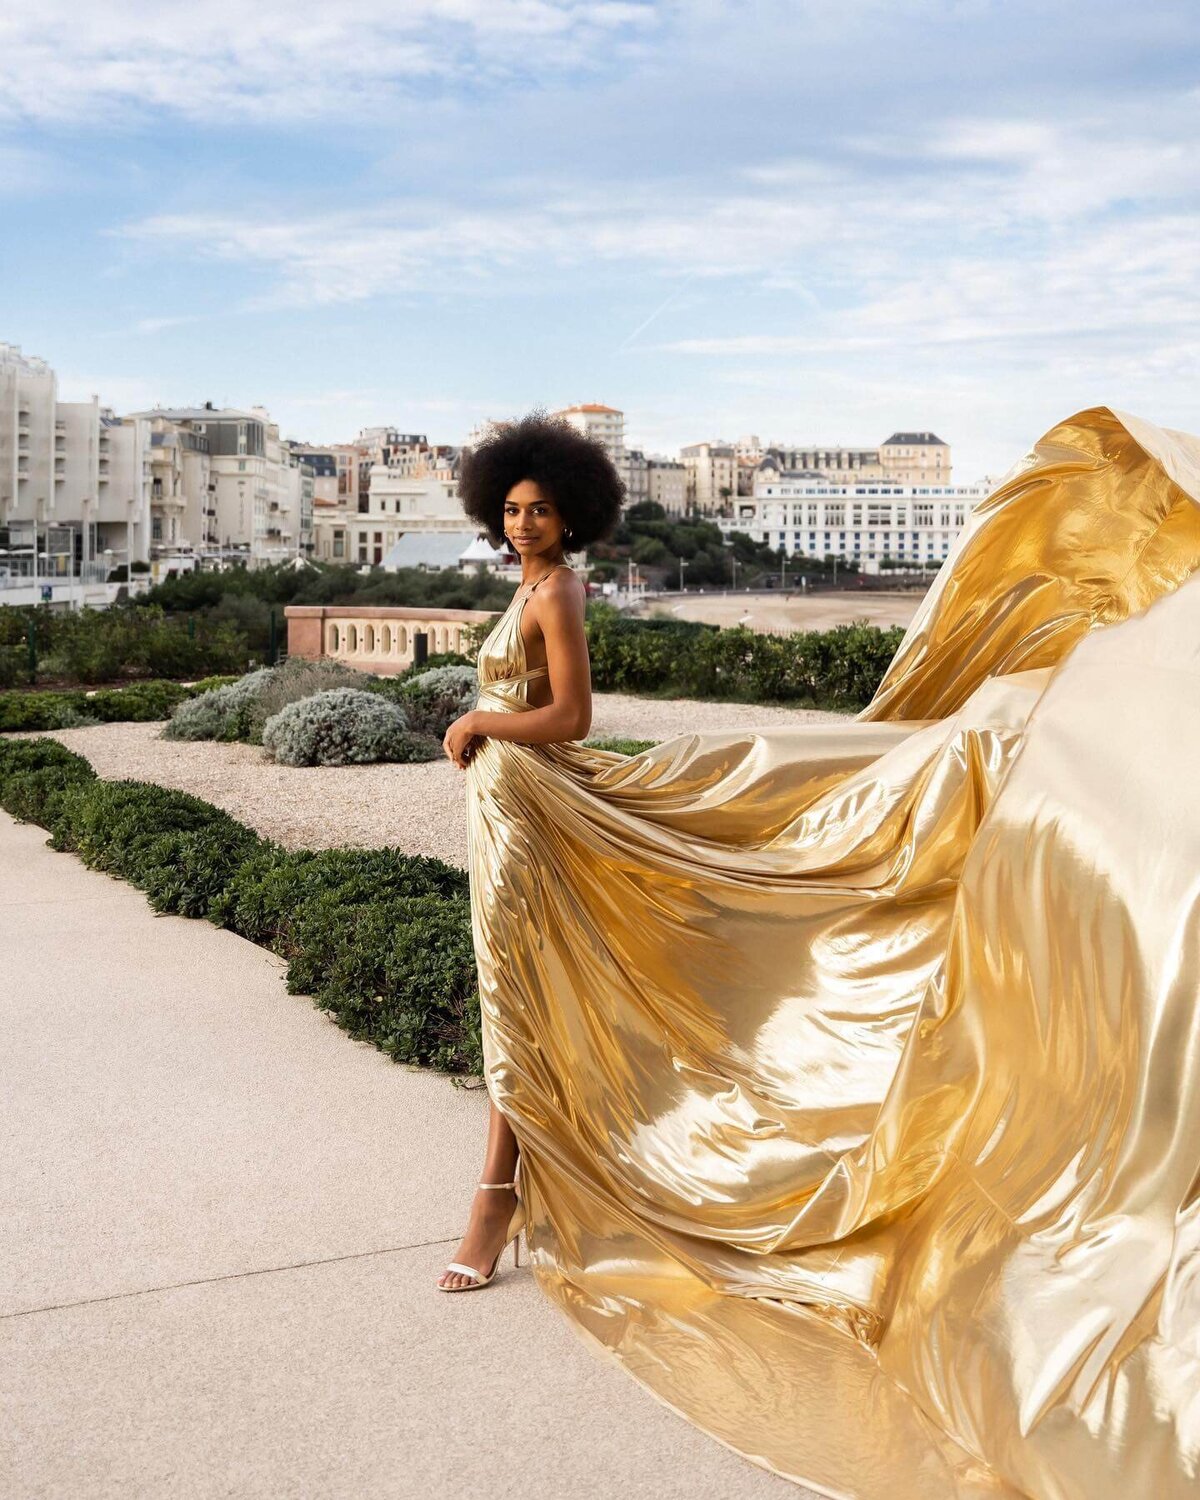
434,699
220,713
344,726
292,680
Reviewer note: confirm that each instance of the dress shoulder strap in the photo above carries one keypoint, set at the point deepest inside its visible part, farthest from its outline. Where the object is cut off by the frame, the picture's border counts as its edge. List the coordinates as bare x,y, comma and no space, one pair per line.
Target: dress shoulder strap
547,573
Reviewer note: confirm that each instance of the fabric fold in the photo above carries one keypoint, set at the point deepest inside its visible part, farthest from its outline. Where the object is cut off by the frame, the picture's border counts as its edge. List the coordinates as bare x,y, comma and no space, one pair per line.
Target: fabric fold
856,1068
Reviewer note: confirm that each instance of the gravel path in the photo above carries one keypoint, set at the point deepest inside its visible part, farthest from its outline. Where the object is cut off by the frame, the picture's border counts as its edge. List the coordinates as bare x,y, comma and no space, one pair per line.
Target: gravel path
419,809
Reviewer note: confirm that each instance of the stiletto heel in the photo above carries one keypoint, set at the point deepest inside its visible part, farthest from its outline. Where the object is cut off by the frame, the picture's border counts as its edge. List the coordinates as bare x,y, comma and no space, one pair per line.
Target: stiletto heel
512,1235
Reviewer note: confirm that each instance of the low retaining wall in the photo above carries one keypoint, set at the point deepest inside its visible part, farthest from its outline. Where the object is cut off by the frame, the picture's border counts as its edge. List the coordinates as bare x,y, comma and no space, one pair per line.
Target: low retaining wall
377,638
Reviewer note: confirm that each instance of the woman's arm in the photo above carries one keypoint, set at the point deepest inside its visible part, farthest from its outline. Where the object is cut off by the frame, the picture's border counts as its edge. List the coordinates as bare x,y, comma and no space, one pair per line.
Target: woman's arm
560,613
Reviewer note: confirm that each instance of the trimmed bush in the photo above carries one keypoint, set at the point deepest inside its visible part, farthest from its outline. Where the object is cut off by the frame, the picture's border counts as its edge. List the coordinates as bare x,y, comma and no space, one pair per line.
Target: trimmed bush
140,702
222,713
184,871
344,726
177,848
398,973
433,699
35,774
297,679
836,669
379,939
263,898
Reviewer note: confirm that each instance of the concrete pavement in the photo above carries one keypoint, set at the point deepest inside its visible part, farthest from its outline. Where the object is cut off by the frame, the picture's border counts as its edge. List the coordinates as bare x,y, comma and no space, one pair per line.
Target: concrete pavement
223,1221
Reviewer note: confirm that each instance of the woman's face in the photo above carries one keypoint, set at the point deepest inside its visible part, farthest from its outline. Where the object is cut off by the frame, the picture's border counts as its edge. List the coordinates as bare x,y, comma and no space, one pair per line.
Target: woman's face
532,522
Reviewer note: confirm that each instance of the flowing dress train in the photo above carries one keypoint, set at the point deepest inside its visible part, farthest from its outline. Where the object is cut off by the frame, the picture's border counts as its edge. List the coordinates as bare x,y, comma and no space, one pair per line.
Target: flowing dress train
856,1068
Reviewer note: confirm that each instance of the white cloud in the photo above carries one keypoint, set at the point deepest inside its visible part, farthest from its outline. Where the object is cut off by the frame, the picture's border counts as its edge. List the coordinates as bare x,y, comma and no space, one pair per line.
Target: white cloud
118,61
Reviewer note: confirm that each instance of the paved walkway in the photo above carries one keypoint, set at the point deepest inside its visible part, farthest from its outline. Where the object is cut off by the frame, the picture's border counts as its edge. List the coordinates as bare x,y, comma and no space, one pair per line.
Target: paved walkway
222,1224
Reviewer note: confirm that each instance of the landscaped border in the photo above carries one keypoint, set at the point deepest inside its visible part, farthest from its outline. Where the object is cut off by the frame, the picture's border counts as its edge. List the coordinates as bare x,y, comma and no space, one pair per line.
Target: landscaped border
379,939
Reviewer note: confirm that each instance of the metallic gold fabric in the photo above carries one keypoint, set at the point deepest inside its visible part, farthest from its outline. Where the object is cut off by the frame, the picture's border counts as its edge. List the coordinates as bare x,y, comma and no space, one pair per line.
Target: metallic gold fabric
856,1068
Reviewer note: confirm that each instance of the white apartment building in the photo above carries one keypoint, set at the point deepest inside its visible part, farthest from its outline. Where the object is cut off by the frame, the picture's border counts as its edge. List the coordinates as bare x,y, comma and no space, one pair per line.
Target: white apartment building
603,423
719,471
182,494
863,523
397,504
74,486
255,502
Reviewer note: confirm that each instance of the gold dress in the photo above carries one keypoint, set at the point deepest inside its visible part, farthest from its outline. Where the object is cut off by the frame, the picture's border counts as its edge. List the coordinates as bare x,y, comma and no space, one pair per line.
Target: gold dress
856,1067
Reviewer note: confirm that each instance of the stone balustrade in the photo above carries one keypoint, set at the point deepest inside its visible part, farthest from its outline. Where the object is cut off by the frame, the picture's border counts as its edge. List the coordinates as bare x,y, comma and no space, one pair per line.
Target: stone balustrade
375,638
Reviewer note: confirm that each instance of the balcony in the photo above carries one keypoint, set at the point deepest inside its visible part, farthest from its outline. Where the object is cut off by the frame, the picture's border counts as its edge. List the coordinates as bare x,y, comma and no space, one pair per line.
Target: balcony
375,638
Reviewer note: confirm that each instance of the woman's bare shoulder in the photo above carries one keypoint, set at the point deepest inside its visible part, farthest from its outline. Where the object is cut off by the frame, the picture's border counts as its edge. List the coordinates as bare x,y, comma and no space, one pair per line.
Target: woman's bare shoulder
563,583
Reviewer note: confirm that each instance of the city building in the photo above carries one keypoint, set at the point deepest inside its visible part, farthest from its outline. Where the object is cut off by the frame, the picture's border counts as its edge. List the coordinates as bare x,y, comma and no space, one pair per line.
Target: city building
396,504
719,472
603,423
75,485
864,523
636,477
255,505
667,483
711,475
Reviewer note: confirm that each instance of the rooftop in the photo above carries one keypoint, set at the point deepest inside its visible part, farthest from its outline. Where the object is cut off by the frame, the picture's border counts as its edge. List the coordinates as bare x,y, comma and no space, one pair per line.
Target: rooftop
914,439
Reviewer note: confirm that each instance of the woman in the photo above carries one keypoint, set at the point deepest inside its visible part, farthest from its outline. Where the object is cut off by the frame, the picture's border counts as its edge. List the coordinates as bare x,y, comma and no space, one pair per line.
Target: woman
545,487
853,1066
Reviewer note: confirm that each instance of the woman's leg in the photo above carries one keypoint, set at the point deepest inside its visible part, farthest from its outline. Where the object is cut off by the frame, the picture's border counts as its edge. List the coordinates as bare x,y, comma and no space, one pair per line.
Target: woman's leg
490,1211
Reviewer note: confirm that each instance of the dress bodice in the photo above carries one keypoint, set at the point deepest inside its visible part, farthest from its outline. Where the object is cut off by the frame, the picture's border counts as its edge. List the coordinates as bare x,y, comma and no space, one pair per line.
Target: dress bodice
501,665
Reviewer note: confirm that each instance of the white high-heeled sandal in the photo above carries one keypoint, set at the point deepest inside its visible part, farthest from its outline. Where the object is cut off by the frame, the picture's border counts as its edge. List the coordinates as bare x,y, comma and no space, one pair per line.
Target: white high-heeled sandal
512,1236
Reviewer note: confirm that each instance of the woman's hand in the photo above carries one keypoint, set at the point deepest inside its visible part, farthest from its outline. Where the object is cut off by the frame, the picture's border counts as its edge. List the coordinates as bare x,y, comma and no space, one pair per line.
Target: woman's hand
460,740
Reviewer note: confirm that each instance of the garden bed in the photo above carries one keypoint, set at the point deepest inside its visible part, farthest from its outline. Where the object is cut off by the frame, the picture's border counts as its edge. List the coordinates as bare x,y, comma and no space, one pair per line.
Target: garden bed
419,808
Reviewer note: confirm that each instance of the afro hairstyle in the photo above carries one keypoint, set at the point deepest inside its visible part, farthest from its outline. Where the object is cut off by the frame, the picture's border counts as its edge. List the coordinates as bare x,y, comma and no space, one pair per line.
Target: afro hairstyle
572,470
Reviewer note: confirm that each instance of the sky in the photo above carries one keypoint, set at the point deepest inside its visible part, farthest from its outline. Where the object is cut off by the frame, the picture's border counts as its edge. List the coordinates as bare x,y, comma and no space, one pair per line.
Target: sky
815,221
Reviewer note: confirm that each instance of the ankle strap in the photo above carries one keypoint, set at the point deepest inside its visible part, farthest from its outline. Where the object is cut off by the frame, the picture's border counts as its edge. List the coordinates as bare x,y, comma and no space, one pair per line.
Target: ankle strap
497,1184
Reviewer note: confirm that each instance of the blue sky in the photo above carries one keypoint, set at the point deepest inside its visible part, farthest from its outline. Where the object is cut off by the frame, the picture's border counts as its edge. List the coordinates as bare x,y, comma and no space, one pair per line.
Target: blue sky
812,221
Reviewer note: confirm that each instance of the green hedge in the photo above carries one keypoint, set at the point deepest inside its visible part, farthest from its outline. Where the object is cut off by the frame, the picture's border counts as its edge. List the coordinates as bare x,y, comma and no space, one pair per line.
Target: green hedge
35,774
838,669
140,702
125,640
380,939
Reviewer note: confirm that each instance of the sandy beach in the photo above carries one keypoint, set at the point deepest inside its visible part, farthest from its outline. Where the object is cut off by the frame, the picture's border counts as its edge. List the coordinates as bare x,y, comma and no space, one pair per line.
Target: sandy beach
788,611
